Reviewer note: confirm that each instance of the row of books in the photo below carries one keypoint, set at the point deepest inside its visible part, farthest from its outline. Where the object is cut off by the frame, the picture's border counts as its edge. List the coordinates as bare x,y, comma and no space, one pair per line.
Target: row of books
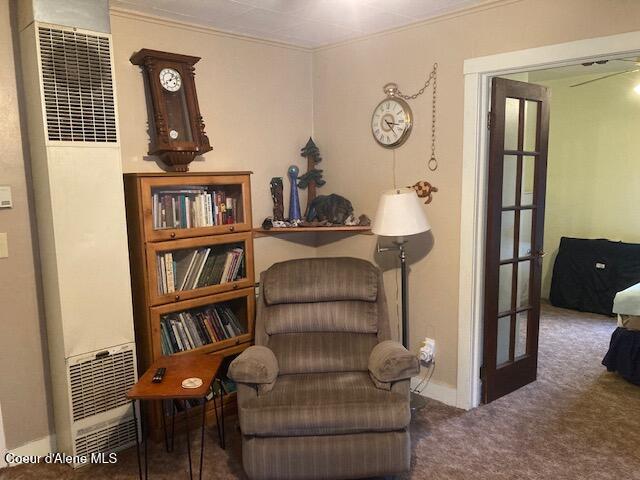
179,405
191,207
187,330
201,267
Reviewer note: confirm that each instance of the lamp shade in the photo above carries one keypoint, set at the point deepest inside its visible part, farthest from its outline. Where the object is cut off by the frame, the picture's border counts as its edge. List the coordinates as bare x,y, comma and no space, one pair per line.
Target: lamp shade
400,213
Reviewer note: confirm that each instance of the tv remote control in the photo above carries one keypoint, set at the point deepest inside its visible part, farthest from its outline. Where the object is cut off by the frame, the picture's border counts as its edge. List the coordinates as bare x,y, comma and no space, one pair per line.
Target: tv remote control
157,378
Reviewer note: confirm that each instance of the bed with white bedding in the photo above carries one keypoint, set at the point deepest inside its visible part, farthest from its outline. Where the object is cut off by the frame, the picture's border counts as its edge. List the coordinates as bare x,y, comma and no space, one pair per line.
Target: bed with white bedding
626,305
624,350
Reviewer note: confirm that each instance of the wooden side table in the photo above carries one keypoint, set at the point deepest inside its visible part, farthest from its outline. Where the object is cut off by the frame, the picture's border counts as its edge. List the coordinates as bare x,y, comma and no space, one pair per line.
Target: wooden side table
179,368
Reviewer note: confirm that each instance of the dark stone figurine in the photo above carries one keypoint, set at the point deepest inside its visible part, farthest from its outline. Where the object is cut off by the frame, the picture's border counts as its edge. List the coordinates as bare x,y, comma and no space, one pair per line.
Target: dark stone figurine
278,202
332,208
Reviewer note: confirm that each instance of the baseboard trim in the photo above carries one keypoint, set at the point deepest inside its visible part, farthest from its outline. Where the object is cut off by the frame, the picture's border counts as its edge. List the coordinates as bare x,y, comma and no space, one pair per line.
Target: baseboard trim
39,448
437,391
3,443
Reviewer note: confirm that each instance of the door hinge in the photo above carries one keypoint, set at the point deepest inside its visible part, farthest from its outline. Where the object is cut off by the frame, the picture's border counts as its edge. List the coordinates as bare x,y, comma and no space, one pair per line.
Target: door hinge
482,373
489,116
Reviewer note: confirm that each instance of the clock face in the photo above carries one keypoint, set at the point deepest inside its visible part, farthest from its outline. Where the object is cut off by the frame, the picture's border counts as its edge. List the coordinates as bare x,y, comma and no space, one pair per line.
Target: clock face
391,122
170,79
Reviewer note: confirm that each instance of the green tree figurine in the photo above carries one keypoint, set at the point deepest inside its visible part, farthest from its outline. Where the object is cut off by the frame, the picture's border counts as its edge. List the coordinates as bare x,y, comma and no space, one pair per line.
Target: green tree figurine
313,177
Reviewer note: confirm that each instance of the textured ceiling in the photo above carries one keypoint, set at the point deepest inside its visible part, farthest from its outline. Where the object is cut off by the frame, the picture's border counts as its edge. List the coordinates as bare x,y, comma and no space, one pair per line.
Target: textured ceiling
306,23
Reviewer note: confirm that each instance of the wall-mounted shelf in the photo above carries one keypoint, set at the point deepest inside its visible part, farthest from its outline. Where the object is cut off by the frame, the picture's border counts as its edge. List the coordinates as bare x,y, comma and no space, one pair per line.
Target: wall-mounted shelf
261,232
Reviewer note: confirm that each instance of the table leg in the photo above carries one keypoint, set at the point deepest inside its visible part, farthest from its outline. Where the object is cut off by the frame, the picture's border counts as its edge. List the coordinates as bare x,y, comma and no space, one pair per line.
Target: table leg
186,418
222,412
215,410
135,420
173,422
163,403
145,440
204,414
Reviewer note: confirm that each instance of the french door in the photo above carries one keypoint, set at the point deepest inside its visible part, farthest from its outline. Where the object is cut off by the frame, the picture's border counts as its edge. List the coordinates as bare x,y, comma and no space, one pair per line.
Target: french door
519,130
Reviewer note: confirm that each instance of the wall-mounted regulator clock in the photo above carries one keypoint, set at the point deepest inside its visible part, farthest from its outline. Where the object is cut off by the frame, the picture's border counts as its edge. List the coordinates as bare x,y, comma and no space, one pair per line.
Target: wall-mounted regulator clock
175,124
392,119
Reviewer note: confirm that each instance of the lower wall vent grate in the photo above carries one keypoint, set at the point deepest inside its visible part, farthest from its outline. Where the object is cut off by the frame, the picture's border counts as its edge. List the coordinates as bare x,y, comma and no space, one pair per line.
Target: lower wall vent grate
101,383
108,439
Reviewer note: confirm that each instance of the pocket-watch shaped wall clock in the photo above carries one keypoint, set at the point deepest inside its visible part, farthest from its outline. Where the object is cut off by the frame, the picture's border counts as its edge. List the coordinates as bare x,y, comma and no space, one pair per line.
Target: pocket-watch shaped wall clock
392,119
175,124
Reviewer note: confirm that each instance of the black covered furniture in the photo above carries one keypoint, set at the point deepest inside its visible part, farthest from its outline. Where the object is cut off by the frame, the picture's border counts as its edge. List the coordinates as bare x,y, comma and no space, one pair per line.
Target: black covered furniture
624,354
587,274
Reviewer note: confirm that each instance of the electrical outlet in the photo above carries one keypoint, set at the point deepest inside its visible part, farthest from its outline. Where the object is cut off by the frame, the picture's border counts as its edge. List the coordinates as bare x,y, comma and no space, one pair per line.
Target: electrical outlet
427,351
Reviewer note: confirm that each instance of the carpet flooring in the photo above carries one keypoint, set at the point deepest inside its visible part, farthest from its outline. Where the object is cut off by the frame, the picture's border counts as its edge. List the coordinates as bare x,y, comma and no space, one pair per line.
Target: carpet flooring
576,422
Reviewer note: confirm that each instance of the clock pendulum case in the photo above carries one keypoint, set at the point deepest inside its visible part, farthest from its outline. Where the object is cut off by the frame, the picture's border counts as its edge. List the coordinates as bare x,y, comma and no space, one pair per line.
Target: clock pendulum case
176,128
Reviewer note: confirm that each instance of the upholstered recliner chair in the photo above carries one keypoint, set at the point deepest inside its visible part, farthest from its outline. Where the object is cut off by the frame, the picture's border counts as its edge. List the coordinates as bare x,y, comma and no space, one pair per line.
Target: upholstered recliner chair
324,393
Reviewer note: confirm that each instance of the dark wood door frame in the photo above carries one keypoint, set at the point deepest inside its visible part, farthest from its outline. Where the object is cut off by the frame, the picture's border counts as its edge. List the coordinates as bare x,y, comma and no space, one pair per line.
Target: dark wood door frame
498,380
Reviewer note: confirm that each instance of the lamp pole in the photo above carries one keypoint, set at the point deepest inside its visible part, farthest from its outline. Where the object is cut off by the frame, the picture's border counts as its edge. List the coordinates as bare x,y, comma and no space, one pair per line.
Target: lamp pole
417,400
399,247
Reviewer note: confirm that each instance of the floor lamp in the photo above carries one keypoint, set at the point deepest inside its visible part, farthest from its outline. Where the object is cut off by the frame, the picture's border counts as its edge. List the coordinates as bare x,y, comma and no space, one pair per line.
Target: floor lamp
400,214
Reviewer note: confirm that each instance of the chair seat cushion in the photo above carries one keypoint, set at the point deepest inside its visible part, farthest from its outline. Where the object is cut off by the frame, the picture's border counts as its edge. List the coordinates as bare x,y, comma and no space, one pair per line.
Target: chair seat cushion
324,404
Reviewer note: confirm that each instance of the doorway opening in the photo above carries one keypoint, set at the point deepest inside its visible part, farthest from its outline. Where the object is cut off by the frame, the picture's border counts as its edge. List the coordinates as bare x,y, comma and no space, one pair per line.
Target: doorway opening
561,195
479,74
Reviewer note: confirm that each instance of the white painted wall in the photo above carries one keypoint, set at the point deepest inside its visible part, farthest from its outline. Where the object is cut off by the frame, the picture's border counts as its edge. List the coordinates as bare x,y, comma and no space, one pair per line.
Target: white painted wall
594,151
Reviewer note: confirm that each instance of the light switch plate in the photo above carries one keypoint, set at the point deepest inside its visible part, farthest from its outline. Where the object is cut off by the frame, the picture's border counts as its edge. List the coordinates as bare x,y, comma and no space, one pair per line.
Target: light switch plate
5,197
4,246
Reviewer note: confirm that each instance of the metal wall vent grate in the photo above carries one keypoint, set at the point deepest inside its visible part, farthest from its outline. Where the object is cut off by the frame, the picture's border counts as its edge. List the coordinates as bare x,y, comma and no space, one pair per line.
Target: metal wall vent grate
78,86
100,384
108,439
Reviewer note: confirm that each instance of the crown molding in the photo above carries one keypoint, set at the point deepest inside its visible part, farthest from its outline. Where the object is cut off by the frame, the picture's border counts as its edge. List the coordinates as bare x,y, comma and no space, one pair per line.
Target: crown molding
157,20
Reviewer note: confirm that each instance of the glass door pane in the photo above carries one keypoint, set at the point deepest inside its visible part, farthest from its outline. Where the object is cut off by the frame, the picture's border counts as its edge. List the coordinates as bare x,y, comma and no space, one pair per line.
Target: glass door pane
505,287
522,323
528,176
524,279
504,340
510,169
524,237
530,125
507,235
511,123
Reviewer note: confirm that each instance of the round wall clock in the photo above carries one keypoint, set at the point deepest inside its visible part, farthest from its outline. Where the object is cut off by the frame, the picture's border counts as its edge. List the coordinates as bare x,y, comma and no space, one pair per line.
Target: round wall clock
392,119
170,79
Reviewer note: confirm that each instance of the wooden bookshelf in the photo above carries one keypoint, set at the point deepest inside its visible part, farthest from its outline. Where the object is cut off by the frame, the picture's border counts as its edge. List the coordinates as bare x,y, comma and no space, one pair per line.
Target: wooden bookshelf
176,220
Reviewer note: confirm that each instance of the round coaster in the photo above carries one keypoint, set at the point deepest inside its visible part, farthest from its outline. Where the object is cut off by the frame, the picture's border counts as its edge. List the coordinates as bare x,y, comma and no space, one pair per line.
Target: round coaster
193,382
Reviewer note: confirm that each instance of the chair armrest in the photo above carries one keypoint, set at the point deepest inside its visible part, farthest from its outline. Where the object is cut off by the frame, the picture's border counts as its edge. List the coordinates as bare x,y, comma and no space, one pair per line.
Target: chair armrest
256,365
390,362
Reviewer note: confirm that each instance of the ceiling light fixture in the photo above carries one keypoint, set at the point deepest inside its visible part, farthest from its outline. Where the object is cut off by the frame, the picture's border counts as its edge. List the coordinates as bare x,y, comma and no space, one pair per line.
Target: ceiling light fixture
637,89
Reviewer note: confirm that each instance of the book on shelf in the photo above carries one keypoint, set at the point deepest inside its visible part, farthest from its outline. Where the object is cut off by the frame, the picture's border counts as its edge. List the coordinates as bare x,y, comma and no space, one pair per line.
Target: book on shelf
189,269
192,329
192,207
179,405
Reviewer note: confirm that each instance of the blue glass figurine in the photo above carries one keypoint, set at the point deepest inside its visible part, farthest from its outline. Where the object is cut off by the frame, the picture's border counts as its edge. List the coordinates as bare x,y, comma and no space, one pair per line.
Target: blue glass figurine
294,201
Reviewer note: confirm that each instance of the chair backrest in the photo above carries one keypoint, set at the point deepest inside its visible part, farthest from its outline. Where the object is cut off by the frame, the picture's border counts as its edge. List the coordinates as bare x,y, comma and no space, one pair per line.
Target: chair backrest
322,314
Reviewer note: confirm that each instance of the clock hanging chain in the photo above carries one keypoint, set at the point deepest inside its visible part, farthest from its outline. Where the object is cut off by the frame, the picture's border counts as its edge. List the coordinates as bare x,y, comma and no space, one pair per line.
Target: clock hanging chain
432,163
